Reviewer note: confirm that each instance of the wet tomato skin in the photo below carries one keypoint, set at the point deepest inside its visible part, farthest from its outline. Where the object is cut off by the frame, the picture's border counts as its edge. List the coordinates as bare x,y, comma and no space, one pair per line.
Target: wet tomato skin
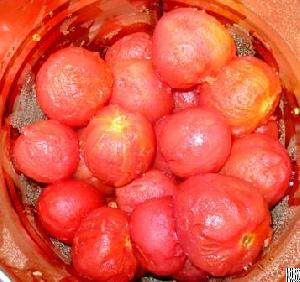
195,141
152,228
221,222
145,93
47,151
185,99
62,206
137,45
102,249
270,128
263,161
152,184
119,145
246,91
190,273
72,85
83,172
159,162
186,47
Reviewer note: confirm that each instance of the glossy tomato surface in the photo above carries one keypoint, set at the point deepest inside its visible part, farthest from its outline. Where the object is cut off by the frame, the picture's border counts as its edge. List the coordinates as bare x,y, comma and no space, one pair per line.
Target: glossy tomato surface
72,85
184,99
190,273
102,249
47,151
119,145
188,46
159,162
262,161
152,184
138,89
195,141
137,45
62,206
246,91
83,172
152,227
222,223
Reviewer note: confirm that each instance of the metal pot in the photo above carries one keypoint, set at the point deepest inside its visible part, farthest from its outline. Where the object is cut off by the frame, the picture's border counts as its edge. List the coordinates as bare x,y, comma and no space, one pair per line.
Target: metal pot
31,30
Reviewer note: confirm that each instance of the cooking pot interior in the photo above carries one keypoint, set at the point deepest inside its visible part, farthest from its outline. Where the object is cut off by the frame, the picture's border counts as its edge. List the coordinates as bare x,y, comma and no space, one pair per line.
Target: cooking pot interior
28,254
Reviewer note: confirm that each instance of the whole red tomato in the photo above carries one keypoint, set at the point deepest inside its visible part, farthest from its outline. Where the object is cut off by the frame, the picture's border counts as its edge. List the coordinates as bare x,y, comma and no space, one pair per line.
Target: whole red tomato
62,206
102,248
187,47
47,151
196,140
222,223
263,161
246,92
72,85
119,145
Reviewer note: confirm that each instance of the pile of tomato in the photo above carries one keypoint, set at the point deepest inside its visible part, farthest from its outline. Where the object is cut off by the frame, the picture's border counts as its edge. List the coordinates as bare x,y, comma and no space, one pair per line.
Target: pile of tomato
151,156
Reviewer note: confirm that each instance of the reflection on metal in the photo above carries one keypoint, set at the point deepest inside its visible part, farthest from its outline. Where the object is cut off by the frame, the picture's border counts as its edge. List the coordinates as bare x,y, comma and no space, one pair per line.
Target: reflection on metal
4,277
296,111
36,37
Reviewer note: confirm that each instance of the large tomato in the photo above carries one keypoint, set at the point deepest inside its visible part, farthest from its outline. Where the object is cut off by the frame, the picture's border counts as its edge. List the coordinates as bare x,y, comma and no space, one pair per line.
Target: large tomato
222,223
189,46
263,161
62,206
246,91
119,145
72,85
102,249
196,140
47,151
